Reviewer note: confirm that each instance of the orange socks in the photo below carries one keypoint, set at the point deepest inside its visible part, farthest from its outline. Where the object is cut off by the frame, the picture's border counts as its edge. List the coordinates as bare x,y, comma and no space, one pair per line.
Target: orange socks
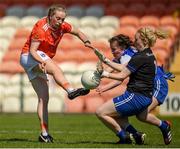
67,87
44,127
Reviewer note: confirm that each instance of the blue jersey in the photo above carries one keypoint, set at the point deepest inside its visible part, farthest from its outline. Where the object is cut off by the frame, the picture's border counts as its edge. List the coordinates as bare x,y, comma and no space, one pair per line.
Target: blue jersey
160,85
126,56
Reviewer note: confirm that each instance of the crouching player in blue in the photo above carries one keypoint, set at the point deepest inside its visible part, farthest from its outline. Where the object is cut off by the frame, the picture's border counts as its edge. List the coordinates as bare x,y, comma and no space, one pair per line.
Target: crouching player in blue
159,95
160,91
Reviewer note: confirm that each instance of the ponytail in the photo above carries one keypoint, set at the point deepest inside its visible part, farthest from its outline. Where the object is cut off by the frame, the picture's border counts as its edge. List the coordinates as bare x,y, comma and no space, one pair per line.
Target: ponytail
149,35
161,34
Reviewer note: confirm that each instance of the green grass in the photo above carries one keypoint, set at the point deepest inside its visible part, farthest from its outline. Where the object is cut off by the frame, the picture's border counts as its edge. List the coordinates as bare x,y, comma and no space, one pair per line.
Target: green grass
75,131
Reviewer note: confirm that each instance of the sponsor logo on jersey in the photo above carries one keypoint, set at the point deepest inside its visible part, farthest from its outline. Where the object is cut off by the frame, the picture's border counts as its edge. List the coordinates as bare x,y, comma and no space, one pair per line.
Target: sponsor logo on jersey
36,36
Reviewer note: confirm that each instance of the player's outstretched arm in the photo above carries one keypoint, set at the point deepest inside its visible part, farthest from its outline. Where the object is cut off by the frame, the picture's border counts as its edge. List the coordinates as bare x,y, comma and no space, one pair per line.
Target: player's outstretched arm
106,61
107,87
81,36
119,75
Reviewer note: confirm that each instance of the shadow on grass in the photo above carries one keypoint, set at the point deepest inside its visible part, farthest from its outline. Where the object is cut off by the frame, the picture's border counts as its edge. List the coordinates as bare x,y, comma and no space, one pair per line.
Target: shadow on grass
16,140
55,141
95,142
84,142
63,142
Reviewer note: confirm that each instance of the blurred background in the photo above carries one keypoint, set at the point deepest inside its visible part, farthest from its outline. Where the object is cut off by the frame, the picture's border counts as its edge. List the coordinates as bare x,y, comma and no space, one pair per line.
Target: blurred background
99,20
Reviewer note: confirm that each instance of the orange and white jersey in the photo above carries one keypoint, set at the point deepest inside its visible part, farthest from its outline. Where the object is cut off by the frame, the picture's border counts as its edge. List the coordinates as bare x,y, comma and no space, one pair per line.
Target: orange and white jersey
48,38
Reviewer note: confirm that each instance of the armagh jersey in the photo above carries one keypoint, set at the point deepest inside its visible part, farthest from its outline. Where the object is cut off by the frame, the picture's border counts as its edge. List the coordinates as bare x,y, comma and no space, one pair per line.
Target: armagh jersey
49,39
142,65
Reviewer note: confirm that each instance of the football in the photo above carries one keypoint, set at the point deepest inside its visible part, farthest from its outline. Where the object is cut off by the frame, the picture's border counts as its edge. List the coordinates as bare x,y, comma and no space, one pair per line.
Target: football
90,79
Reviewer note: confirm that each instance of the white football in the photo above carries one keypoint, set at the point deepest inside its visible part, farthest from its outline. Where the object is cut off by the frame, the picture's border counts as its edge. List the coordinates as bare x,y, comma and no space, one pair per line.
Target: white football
90,79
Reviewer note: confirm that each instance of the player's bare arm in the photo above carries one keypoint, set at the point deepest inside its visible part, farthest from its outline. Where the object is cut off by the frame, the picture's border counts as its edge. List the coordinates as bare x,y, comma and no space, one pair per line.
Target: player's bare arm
108,86
109,69
81,36
33,50
115,66
119,75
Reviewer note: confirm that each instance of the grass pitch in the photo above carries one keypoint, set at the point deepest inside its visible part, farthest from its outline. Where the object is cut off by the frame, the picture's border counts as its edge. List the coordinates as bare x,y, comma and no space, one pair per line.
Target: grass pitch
75,131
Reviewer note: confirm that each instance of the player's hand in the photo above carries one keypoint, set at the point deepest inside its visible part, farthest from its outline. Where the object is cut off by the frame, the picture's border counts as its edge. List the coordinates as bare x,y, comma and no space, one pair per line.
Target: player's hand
99,67
101,56
43,67
97,52
105,74
99,90
100,70
169,76
88,44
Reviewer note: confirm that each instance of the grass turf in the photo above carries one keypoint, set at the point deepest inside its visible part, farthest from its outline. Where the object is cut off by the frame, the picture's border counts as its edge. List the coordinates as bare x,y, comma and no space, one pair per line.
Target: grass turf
75,131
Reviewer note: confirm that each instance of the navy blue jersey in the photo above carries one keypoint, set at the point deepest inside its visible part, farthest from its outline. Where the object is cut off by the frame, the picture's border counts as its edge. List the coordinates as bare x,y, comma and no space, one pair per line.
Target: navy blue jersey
160,83
142,67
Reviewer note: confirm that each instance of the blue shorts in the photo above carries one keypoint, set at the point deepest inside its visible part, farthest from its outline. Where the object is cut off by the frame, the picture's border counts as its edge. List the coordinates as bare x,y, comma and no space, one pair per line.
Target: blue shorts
130,104
160,89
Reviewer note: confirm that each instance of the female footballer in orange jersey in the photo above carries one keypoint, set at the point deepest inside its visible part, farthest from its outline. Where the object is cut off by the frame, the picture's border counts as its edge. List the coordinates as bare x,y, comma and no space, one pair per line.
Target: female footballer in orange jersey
36,59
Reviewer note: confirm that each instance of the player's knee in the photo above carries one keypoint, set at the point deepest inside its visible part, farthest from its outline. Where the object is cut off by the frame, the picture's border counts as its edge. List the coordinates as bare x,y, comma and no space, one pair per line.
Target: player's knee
37,69
141,118
44,100
100,113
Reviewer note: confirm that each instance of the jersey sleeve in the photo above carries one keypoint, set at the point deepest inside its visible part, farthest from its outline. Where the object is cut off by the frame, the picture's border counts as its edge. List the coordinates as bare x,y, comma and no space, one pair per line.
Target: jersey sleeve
125,59
135,63
66,27
37,34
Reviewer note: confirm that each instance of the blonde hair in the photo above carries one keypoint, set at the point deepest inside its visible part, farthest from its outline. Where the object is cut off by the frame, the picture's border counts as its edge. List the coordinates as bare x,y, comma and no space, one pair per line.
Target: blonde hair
149,35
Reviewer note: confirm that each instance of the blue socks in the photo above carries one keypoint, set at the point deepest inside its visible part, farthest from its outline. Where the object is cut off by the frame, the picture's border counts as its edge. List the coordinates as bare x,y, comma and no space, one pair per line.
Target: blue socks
163,126
121,134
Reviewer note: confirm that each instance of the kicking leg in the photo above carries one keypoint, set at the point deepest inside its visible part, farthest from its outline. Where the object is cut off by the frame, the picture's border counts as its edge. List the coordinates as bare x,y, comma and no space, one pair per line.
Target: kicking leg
58,75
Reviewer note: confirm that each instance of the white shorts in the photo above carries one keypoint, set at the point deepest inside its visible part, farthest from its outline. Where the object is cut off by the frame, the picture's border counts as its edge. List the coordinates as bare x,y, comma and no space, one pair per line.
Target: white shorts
28,63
